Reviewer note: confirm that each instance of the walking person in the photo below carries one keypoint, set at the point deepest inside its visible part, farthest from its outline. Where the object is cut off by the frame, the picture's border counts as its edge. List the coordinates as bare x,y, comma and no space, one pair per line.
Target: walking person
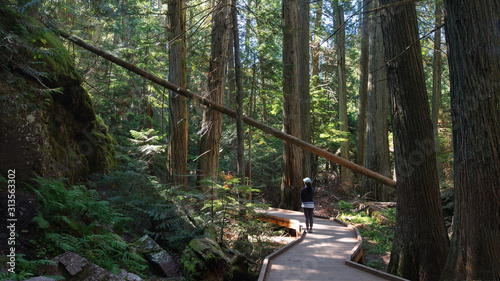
307,197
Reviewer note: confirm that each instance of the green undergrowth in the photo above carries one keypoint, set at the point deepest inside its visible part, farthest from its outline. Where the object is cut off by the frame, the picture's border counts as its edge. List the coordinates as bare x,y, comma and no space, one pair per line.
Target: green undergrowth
74,218
101,219
376,229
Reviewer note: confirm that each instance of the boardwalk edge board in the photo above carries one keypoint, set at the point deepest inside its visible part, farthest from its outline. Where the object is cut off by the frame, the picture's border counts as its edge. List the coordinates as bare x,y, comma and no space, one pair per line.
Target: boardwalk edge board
373,271
267,261
353,258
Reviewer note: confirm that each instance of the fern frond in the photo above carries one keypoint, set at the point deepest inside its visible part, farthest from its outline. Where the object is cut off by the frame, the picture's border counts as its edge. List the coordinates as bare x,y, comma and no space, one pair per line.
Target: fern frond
48,91
41,221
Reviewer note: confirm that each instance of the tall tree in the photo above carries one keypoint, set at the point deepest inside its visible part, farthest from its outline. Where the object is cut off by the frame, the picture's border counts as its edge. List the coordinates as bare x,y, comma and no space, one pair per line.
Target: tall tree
377,142
208,162
262,65
436,79
178,114
239,96
473,37
315,56
304,80
363,84
342,88
292,155
420,240
315,47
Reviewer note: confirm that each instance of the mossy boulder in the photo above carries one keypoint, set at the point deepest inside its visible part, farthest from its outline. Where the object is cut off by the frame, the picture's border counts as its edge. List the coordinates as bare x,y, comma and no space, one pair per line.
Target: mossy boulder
204,259
48,126
159,259
240,270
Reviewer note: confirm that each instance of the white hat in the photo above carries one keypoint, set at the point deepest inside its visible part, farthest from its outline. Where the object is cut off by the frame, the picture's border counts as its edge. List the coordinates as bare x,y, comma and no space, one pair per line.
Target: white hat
307,180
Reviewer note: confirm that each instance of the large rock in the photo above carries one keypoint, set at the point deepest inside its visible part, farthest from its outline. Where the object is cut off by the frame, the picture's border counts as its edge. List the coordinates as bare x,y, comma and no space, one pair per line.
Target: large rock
48,126
73,267
129,276
204,259
76,268
161,261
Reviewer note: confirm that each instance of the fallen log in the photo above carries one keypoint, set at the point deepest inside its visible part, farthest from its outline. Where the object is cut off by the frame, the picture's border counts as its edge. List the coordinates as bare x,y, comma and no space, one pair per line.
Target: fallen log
230,112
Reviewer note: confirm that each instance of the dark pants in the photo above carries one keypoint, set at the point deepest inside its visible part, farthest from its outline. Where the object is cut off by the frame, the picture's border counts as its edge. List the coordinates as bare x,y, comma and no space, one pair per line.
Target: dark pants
308,213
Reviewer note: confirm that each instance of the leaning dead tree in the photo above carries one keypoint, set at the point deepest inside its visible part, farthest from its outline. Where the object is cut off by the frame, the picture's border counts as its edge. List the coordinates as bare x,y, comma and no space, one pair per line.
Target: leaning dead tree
230,112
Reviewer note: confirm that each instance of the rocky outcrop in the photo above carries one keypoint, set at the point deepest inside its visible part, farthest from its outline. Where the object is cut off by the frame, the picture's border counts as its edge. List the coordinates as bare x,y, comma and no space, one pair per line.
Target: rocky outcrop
73,267
159,259
204,259
48,126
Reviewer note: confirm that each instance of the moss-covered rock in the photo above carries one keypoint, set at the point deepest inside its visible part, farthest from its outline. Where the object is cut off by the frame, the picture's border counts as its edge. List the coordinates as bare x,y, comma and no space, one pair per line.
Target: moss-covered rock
48,126
160,260
37,47
73,267
240,270
204,259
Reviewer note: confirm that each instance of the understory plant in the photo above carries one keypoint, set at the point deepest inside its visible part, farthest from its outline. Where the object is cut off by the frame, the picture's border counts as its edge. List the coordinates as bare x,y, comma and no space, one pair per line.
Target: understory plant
376,229
76,219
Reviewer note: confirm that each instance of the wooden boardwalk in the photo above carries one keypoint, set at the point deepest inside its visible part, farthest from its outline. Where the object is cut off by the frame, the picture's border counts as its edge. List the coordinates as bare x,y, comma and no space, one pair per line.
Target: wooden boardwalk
320,255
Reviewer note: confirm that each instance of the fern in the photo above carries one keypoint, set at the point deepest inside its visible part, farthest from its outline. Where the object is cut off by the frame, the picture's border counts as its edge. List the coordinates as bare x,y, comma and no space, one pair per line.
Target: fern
75,219
26,269
145,144
41,221
49,92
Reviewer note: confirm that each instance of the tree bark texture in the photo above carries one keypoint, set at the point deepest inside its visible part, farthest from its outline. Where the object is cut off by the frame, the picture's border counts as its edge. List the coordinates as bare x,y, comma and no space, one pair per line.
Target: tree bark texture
208,162
239,96
473,38
232,113
292,156
420,240
304,79
363,85
377,141
345,173
178,113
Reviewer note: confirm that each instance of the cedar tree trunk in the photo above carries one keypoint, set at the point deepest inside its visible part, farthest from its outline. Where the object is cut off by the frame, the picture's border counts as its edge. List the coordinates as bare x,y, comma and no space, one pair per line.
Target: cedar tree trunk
377,141
208,162
420,240
292,156
178,116
473,37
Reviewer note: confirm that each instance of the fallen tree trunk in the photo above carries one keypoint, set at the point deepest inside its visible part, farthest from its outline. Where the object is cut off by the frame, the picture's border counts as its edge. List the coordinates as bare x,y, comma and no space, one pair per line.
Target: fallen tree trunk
232,113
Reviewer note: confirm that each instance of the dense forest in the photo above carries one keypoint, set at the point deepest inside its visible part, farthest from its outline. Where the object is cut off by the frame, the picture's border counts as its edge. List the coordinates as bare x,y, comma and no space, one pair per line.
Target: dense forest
134,129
